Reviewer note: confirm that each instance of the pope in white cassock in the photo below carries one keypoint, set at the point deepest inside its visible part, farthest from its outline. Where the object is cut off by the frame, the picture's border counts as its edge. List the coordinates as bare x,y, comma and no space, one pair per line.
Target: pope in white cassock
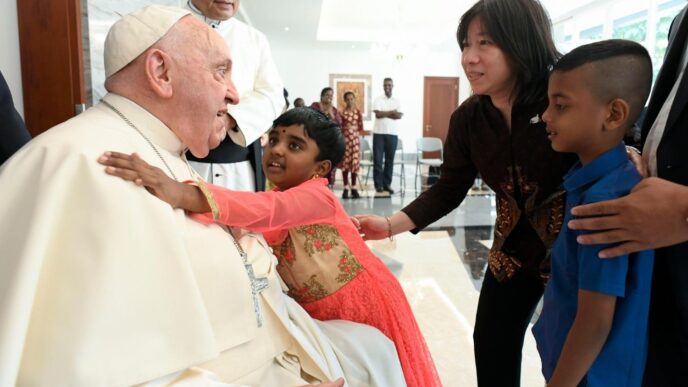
102,284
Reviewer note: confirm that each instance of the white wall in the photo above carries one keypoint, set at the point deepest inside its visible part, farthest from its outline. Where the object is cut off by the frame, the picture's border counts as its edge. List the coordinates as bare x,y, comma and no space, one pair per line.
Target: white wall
9,47
305,71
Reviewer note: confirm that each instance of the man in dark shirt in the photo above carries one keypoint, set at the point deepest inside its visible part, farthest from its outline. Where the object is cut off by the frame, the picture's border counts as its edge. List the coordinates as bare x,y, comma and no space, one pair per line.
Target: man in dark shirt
13,133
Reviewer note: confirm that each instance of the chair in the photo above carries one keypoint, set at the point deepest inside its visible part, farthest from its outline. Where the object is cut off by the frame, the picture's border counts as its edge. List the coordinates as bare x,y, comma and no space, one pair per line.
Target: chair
366,160
427,144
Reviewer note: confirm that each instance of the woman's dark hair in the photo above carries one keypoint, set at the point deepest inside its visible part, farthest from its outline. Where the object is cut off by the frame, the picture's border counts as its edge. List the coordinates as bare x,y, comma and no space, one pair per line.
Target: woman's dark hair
325,90
325,132
349,92
523,30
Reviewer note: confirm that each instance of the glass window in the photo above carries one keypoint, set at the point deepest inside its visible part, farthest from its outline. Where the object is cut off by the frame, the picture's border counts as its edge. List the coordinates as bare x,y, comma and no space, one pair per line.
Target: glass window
631,27
620,19
592,34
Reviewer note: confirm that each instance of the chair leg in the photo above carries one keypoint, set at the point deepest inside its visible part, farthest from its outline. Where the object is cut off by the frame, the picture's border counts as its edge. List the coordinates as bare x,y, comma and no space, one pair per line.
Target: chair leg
402,180
367,175
415,177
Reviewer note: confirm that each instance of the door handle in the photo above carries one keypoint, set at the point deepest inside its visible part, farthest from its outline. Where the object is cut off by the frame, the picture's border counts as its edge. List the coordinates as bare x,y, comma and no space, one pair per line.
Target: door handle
427,128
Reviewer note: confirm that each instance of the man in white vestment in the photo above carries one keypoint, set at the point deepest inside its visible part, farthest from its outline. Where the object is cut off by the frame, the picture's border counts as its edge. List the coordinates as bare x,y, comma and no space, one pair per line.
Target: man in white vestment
102,284
236,163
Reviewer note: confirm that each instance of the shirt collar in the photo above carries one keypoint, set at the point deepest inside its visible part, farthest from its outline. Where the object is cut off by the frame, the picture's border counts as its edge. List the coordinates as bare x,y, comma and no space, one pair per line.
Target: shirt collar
580,175
213,23
149,125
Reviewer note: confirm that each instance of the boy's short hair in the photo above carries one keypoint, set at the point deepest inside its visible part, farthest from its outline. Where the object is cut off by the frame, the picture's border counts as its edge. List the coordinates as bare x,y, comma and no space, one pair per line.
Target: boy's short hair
621,69
326,133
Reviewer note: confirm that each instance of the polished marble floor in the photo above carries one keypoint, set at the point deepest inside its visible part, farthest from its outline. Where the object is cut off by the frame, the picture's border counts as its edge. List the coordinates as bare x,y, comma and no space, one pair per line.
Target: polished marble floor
441,271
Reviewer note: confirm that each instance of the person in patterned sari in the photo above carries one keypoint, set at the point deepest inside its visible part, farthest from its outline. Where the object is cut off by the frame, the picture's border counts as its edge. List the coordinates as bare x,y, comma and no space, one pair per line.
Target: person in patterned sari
326,107
323,260
352,126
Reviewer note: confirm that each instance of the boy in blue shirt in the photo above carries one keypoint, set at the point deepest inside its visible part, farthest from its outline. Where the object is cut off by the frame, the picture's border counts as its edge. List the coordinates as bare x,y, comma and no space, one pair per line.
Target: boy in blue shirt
593,327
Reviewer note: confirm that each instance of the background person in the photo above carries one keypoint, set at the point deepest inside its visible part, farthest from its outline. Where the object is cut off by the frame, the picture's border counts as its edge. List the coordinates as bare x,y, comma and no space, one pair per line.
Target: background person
352,127
330,111
13,133
385,137
236,162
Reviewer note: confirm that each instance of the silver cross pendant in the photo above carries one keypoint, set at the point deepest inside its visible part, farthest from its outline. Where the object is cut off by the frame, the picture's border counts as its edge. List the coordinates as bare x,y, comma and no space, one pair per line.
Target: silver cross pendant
257,286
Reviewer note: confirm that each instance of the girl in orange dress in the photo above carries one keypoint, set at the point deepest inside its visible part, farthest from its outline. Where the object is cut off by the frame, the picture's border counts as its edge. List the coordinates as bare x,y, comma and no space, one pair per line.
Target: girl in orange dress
322,257
352,126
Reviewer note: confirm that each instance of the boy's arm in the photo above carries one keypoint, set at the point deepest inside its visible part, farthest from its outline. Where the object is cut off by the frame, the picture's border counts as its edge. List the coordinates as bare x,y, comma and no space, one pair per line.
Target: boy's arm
586,338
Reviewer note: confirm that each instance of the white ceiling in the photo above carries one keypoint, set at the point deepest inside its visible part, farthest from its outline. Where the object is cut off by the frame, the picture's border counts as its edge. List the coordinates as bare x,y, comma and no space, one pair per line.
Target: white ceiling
359,23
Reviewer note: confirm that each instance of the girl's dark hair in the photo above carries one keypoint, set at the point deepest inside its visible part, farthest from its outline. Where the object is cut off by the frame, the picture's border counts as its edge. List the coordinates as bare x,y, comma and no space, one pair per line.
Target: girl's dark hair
523,30
325,132
349,92
325,90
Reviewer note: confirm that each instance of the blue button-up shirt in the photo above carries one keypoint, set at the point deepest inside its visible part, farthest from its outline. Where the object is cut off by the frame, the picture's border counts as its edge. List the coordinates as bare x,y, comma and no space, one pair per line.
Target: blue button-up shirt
622,359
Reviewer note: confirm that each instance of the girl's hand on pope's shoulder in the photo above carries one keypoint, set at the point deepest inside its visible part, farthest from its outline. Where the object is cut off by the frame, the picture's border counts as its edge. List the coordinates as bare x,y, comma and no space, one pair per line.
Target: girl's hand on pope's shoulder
133,168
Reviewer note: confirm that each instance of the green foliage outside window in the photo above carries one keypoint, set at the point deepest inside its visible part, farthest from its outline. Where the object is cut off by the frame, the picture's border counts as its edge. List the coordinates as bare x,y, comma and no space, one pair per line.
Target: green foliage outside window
634,31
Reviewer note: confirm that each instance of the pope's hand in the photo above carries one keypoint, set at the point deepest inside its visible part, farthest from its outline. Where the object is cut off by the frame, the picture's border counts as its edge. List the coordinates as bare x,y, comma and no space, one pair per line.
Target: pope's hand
372,227
133,168
653,215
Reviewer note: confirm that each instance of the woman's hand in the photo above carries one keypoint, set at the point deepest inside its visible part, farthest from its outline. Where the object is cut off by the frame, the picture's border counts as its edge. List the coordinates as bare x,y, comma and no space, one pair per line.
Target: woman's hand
372,227
653,215
133,168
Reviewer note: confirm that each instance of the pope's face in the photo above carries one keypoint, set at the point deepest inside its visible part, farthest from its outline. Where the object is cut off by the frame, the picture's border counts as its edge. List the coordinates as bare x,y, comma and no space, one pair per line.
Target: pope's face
203,92
217,9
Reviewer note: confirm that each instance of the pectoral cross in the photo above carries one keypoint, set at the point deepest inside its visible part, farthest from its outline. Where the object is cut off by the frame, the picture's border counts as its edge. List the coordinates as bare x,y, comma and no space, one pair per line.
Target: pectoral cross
257,286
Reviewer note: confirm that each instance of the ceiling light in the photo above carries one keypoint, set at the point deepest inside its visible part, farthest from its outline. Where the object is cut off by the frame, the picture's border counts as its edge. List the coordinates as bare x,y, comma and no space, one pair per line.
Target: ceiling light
286,29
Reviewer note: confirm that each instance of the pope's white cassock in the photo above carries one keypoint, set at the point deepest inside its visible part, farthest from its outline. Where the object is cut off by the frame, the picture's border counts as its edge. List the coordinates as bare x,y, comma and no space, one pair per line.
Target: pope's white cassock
102,284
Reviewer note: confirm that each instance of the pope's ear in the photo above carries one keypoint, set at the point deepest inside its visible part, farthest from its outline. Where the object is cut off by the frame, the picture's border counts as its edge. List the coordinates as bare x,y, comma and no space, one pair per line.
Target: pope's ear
158,72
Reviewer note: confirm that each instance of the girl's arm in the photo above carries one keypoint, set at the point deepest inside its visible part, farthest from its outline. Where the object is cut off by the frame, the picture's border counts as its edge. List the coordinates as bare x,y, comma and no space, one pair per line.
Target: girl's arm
133,168
586,338
308,203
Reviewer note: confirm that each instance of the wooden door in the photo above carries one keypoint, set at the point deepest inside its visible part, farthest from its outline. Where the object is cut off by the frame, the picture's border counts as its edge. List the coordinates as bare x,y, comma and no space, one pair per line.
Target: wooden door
51,61
440,99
